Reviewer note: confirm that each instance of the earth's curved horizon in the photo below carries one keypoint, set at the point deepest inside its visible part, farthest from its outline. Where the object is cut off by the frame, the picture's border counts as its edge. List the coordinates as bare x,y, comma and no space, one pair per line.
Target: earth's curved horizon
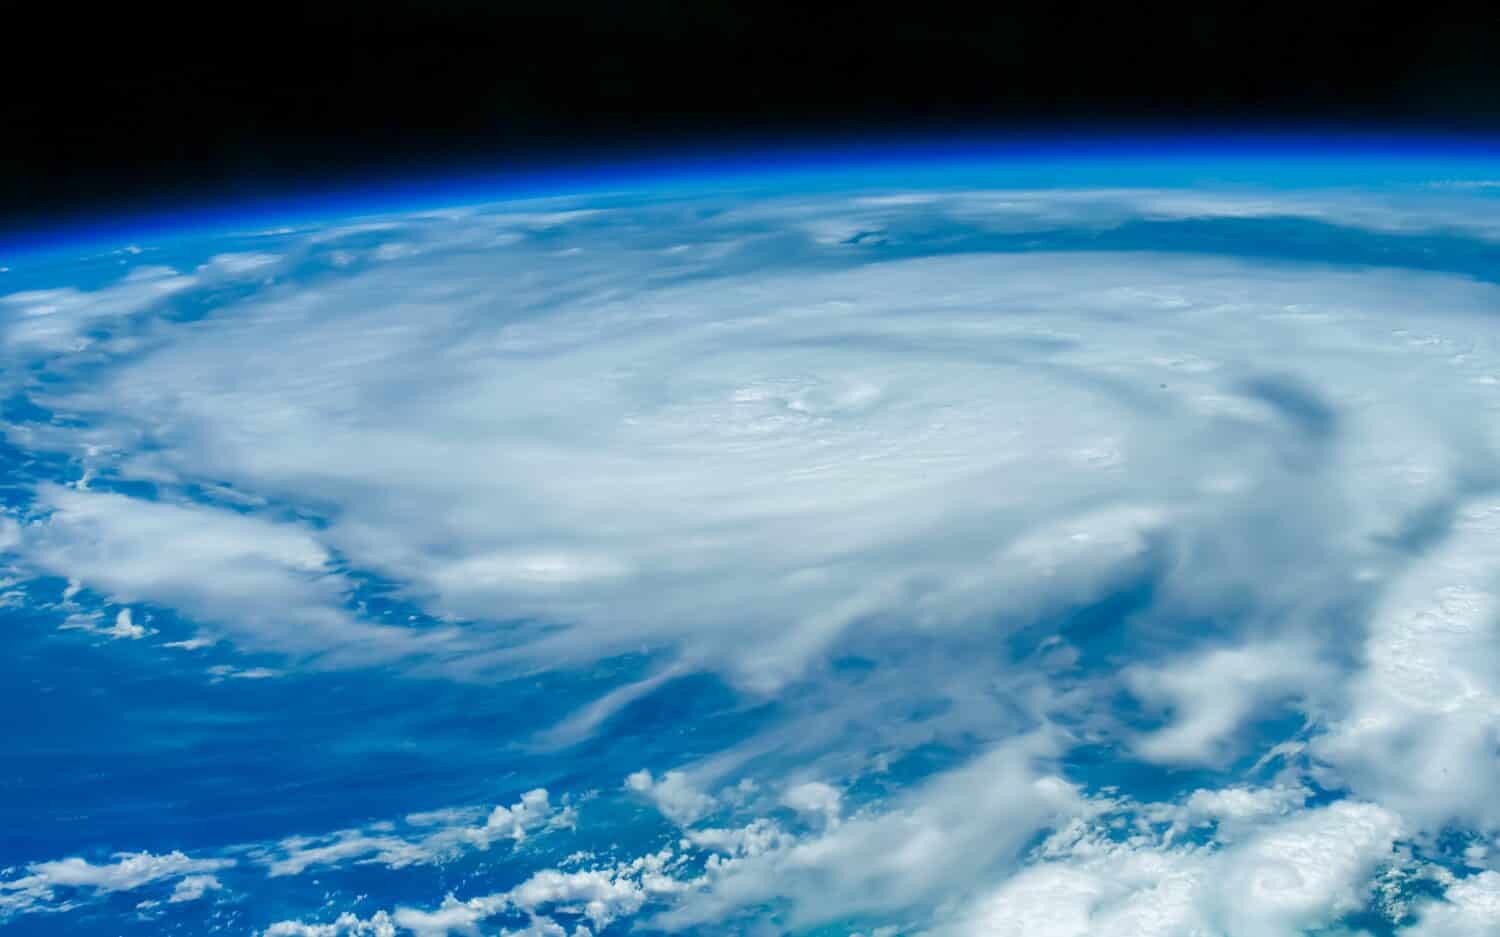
952,541
1127,154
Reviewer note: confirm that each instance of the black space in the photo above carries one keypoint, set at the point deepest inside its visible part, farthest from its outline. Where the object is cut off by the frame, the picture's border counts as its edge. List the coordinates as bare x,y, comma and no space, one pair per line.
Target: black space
126,106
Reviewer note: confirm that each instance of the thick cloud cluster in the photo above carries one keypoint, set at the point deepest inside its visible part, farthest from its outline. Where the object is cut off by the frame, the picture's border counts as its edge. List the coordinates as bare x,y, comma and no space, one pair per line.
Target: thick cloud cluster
977,469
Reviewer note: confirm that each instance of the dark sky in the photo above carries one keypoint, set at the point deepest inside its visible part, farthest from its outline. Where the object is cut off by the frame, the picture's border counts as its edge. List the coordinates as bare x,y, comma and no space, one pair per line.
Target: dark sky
132,104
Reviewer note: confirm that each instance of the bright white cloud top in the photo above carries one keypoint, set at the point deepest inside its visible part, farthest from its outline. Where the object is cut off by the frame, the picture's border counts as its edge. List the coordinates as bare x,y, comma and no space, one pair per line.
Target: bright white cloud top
1009,562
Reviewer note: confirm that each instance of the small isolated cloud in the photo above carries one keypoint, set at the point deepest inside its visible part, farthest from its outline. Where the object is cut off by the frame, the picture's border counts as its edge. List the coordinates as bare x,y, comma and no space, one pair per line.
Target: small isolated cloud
195,643
814,800
125,626
238,264
673,794
193,887
231,672
122,626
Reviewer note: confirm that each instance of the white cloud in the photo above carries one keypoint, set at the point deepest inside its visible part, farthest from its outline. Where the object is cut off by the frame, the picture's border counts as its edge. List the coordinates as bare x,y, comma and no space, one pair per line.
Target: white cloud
230,672
1293,876
236,264
453,916
533,810
673,794
1112,868
122,627
194,887
125,627
754,838
1383,212
195,643
1236,809
1470,907
599,895
817,800
347,925
296,854
269,585
645,434
938,841
929,846
743,468
1423,716
61,884
1305,872
425,838
822,419
56,320
1212,693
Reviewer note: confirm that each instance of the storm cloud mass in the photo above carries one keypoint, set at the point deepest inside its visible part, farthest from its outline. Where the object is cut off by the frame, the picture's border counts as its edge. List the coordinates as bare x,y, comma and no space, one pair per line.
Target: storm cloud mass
952,562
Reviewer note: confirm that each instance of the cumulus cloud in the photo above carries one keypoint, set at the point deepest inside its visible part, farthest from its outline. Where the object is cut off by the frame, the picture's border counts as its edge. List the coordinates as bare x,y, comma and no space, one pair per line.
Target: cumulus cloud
673,794
1238,808
948,856
61,884
193,887
1292,876
753,839
965,827
599,896
967,824
347,925
422,839
816,800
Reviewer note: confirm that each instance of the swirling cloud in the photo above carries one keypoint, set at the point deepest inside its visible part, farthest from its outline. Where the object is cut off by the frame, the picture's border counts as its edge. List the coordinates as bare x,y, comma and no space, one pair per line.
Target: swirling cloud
972,471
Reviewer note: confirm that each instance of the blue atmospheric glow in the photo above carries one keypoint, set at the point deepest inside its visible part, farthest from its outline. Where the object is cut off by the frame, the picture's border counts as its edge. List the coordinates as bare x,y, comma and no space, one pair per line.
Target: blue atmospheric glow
1226,156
